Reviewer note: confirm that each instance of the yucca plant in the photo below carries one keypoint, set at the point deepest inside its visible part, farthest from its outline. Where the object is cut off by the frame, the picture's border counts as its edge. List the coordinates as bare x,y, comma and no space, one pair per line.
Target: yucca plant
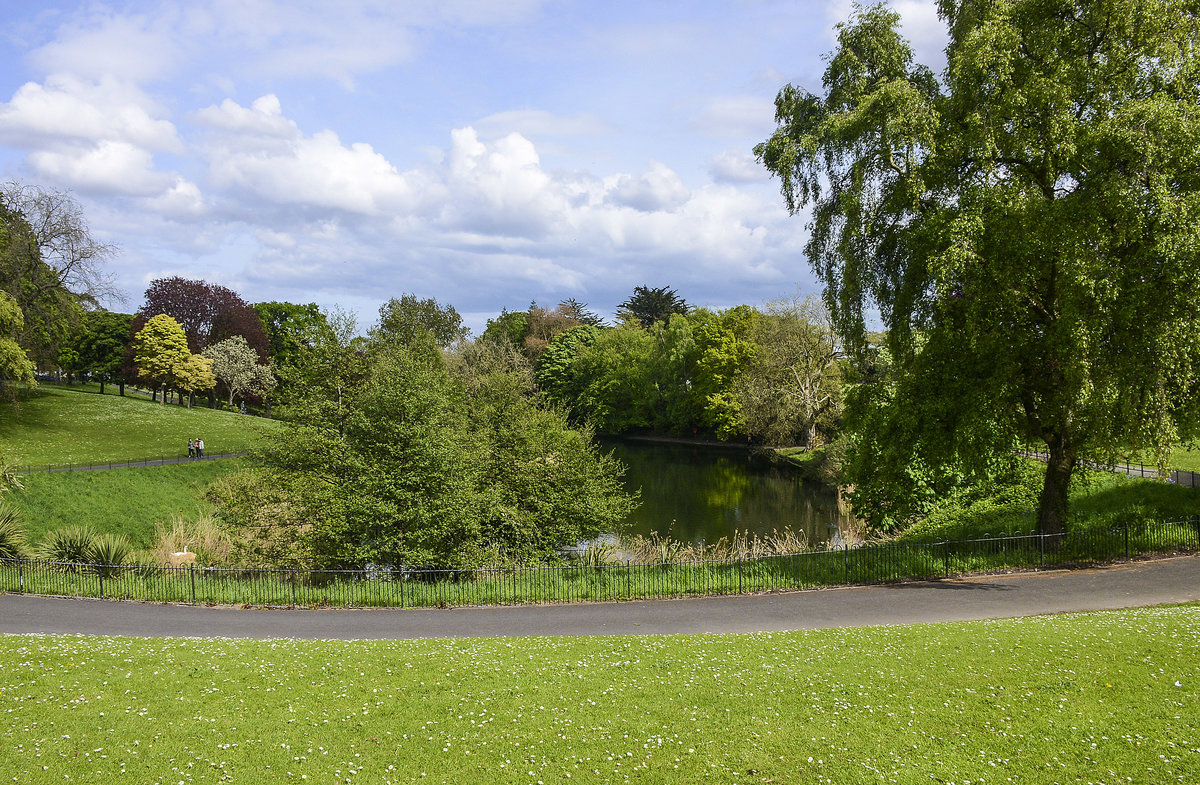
12,533
70,548
109,552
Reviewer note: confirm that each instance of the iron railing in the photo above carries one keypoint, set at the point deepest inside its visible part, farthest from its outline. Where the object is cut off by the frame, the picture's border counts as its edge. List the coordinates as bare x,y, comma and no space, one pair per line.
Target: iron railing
406,588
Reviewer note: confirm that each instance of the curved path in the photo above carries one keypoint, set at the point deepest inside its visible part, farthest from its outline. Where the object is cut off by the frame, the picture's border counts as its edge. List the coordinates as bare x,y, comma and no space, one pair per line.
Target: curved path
984,597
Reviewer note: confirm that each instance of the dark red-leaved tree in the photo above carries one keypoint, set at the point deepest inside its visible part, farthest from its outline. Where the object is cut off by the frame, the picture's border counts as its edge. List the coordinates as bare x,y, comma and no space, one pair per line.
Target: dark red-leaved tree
208,312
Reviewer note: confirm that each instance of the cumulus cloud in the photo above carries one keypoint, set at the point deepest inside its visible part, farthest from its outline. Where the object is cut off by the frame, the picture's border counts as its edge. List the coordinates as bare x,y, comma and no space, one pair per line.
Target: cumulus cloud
658,189
533,123
127,47
67,108
736,117
257,151
737,165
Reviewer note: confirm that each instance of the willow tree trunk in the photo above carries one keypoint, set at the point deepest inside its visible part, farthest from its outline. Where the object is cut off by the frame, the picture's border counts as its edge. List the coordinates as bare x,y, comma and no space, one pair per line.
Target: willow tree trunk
1052,513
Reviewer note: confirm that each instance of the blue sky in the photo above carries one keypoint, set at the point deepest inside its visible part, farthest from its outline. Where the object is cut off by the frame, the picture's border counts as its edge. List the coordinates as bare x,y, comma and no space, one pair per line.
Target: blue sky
483,153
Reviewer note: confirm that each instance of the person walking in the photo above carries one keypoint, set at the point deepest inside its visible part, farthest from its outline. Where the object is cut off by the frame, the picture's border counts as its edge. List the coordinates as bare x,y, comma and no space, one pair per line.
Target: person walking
200,449
191,448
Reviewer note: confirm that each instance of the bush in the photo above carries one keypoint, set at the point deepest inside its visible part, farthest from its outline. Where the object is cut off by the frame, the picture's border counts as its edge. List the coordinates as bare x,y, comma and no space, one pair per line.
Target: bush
71,546
109,551
12,533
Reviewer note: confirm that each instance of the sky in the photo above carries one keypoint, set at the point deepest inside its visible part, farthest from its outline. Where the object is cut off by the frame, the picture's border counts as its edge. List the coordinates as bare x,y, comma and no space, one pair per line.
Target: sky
485,153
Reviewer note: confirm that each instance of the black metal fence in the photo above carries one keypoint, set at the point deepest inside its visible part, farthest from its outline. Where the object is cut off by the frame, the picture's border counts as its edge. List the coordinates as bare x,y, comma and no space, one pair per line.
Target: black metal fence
1176,476
154,460
402,588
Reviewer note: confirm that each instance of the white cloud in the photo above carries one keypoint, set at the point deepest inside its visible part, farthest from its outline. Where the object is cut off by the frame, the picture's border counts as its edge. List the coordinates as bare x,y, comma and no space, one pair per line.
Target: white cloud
655,190
532,123
264,117
736,117
737,165
68,108
127,47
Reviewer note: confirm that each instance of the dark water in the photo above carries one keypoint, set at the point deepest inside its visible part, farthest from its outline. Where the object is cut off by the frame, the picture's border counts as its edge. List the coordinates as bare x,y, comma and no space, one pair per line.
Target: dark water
699,494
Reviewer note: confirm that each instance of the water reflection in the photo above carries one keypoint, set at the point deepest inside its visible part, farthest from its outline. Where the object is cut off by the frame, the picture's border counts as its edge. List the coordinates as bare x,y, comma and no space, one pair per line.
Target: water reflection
699,494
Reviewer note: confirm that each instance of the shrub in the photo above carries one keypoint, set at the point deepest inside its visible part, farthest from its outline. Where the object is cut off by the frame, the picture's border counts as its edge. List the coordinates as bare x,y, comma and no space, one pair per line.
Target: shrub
12,533
109,551
70,547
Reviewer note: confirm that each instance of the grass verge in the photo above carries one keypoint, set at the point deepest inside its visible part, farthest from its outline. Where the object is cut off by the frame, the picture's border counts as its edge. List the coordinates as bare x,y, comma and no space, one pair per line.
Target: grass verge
117,501
1098,697
62,425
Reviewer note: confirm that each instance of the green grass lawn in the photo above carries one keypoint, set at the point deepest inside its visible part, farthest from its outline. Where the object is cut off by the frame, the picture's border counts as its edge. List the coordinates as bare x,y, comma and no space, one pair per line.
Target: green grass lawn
1098,697
63,425
1097,499
121,501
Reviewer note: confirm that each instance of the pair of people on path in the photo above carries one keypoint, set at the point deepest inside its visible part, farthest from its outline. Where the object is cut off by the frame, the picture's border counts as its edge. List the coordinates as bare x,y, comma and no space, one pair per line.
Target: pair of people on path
196,448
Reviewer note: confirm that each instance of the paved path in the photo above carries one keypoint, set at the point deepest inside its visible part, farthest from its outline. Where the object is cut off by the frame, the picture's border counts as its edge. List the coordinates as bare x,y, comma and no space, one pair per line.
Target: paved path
986,597
95,467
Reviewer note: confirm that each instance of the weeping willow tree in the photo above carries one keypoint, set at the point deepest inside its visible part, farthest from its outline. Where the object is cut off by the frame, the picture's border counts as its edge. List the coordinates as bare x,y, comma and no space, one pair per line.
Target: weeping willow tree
1026,226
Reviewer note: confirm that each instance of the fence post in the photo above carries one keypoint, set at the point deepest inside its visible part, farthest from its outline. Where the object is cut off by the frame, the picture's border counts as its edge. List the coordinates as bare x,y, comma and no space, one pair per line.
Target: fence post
1126,540
846,560
402,582
100,572
292,575
192,575
946,556
628,581
741,561
1041,550
21,577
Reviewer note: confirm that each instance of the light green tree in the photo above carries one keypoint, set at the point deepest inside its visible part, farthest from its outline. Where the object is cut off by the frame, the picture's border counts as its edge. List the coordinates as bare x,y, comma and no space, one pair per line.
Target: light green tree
160,352
1027,229
794,387
15,366
195,375
236,366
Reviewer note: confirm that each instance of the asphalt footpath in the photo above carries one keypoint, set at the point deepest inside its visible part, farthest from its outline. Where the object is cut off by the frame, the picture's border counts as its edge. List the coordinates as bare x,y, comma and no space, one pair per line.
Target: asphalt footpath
1132,584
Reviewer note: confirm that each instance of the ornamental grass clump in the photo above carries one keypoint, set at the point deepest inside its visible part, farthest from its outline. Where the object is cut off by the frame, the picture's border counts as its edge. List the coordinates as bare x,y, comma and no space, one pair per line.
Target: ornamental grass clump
12,533
109,553
69,548
202,535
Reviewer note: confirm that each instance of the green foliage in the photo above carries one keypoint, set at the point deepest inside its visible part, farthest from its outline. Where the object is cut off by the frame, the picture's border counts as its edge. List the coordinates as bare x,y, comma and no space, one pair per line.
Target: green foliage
71,545
12,532
235,364
647,306
161,351
410,320
1027,233
509,326
404,462
15,365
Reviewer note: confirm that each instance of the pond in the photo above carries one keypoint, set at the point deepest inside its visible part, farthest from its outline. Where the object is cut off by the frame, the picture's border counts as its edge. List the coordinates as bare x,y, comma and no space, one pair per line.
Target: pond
700,494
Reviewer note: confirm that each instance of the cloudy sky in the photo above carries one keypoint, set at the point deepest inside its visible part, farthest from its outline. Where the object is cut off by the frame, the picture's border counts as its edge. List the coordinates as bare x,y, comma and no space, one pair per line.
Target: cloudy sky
483,152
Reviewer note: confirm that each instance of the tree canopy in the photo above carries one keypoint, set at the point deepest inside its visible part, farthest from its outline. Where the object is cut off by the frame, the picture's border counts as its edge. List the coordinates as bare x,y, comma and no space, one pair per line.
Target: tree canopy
1026,228
647,306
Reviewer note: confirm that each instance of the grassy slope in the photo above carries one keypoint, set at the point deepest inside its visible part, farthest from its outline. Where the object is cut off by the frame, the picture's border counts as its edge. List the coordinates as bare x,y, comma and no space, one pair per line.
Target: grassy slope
1098,697
56,425
121,501
1097,499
